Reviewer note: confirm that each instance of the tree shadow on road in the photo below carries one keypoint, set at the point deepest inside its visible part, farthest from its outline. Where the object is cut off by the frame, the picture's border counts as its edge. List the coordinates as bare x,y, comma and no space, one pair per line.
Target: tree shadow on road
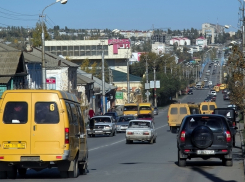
209,176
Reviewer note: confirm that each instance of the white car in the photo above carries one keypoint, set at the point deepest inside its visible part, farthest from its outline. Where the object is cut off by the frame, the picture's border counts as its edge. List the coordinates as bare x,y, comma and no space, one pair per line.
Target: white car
210,83
205,79
141,130
213,92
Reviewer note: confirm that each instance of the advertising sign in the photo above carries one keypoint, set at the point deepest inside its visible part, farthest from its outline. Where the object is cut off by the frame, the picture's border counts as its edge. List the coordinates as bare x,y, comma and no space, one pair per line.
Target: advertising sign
119,95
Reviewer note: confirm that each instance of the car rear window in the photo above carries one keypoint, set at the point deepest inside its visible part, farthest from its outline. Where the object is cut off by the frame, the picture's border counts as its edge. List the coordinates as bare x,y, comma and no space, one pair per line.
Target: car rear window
204,107
194,111
102,120
183,110
214,123
15,113
227,113
211,107
46,113
174,110
145,108
139,124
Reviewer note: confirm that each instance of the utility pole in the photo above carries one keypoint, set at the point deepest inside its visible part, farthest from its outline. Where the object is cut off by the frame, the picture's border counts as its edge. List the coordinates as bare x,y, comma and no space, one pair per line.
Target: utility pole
128,83
103,78
146,76
155,90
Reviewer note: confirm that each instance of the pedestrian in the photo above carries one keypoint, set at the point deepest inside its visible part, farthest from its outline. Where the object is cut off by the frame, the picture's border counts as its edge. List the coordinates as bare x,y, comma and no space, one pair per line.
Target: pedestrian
91,113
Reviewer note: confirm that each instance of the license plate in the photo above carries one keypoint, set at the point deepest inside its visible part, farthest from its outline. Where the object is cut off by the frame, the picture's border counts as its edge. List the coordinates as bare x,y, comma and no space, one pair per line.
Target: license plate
14,145
205,152
98,131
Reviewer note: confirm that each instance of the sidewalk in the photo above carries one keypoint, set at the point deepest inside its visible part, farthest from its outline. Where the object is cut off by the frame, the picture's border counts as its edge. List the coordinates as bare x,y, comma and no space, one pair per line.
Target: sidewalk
240,129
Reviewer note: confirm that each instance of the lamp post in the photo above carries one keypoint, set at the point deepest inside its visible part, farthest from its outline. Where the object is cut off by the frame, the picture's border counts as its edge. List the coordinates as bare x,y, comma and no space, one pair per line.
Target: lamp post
43,45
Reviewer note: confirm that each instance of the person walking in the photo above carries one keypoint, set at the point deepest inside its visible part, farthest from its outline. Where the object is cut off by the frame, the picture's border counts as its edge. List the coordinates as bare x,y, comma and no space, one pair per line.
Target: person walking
91,113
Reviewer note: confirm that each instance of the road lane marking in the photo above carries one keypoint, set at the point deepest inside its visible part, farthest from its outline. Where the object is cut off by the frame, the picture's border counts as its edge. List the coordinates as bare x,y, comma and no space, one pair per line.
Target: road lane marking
103,146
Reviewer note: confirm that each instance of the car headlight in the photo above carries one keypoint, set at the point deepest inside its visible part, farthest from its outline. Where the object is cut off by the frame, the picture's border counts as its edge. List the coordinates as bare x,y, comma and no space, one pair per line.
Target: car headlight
108,127
135,114
118,126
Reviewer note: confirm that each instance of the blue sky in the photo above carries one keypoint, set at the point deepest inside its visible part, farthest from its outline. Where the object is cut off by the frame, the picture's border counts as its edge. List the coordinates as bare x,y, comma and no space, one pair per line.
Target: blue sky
123,15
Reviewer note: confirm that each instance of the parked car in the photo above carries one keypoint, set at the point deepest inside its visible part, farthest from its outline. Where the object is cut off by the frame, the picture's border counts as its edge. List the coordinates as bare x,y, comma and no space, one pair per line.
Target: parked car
205,136
230,114
190,92
123,122
205,79
101,125
113,114
226,97
141,130
224,91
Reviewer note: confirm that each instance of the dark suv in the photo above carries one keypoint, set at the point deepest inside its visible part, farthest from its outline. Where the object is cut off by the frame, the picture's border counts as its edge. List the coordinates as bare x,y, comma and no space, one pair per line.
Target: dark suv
205,136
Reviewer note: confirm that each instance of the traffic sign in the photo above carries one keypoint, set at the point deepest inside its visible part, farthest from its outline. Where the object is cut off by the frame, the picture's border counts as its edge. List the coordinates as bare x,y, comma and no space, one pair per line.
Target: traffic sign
148,93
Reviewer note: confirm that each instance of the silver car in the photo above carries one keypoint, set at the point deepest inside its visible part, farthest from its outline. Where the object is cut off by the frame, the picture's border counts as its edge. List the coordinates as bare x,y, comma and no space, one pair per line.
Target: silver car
123,122
141,130
101,125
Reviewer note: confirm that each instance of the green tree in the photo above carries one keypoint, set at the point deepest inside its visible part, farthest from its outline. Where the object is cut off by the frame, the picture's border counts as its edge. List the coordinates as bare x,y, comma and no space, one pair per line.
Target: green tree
85,65
37,35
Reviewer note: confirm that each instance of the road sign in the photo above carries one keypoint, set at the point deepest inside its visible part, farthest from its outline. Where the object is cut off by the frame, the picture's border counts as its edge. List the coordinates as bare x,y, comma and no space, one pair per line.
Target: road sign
148,93
157,84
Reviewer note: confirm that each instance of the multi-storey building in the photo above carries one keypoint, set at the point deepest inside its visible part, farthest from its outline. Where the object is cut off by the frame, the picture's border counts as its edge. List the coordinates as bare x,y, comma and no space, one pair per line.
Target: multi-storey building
116,51
212,30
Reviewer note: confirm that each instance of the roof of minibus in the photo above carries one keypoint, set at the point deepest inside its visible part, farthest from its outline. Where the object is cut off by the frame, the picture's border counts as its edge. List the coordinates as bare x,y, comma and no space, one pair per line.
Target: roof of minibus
61,94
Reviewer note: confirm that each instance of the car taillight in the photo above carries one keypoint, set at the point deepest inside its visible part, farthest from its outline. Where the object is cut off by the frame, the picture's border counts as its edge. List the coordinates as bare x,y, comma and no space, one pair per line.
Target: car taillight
146,133
182,136
228,136
66,135
130,133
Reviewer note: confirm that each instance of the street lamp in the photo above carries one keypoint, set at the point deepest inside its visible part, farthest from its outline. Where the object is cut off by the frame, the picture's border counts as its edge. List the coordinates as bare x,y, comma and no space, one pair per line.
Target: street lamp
43,45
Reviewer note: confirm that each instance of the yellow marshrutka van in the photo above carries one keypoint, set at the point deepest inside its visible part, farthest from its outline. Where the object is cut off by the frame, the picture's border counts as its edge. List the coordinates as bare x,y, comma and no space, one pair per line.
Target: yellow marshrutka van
222,86
177,112
145,108
216,88
130,109
207,107
41,129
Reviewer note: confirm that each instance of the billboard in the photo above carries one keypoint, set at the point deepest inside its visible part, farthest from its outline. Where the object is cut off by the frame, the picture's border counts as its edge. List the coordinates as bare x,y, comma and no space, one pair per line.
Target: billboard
136,56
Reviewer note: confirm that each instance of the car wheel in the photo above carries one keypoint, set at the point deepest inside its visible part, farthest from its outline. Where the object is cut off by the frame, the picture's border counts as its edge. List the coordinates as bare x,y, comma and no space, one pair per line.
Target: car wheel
128,141
3,175
93,135
12,174
181,162
234,141
74,173
83,169
173,129
155,140
22,172
227,162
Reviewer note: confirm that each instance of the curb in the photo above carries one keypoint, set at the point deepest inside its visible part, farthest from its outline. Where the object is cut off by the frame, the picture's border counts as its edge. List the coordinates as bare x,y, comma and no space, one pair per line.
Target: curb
243,148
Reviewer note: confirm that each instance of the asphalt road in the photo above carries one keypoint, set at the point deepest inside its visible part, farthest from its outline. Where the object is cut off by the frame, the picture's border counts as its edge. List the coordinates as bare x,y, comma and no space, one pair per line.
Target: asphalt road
111,160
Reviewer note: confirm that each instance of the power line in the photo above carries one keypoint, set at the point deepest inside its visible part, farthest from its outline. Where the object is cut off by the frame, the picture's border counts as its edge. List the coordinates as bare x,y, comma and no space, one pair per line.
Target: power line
19,14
